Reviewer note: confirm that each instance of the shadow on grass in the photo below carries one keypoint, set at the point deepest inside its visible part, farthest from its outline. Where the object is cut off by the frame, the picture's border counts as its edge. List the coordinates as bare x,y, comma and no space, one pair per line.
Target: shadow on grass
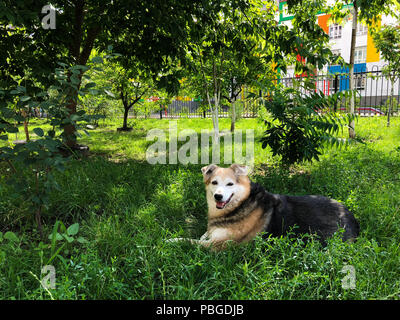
171,197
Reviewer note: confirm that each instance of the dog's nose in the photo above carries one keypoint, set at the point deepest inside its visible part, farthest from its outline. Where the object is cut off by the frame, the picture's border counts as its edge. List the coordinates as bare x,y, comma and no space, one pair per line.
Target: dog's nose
218,196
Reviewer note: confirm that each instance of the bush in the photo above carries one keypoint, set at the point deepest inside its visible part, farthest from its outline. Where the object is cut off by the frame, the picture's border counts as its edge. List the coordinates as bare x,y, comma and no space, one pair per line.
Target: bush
301,126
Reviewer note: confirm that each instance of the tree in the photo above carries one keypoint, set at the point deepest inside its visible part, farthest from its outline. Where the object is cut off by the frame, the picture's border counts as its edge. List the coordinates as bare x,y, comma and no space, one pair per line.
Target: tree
130,86
206,56
32,162
245,70
387,41
301,125
226,52
368,11
165,98
361,10
150,30
352,133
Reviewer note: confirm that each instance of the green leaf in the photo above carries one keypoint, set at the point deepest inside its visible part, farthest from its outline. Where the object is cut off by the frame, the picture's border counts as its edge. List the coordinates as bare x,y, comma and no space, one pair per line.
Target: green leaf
57,237
68,238
25,98
75,117
82,240
12,129
90,85
74,79
11,236
97,60
39,132
73,229
81,67
21,89
42,94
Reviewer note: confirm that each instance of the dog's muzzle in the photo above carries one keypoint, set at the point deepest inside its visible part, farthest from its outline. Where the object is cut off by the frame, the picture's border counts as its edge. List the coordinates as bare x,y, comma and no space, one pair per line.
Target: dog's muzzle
221,204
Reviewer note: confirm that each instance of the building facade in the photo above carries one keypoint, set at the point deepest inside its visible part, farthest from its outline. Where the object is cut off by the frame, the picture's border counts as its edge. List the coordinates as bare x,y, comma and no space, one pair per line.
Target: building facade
373,87
367,58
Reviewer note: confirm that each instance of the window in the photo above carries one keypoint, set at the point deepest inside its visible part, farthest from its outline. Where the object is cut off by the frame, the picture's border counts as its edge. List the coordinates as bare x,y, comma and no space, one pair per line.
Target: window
335,31
336,52
361,29
360,55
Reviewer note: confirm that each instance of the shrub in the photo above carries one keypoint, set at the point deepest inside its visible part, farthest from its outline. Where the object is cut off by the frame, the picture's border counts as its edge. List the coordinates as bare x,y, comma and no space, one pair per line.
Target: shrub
301,126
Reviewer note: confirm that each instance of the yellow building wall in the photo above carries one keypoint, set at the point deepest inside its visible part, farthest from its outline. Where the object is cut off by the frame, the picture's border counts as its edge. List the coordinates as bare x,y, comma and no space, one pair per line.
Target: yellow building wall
372,52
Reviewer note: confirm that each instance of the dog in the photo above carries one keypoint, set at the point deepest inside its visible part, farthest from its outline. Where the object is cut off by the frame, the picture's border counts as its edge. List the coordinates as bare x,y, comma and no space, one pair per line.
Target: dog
239,209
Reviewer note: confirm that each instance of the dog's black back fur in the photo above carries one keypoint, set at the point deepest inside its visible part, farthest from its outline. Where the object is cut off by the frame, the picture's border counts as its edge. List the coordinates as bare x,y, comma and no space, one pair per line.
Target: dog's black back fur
310,214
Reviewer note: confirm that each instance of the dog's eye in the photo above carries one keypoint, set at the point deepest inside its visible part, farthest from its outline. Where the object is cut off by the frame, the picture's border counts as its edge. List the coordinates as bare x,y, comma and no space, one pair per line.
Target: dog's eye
214,182
229,184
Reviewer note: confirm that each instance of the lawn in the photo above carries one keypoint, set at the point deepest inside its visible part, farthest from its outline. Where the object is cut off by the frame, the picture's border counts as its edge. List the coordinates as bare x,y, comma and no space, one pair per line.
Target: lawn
127,208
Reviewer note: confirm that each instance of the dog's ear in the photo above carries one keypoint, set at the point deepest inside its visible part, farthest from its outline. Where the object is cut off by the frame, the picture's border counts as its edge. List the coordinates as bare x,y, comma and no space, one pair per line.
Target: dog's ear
208,170
240,170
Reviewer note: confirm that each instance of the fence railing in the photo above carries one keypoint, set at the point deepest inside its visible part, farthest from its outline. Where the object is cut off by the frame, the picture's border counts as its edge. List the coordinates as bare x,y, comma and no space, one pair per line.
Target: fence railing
245,108
374,91
374,97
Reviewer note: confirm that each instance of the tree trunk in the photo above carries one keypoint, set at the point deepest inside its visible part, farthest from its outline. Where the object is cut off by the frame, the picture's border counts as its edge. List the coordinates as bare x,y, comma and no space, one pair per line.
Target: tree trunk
233,105
390,104
74,52
216,124
79,57
69,129
233,116
215,118
352,133
27,138
26,130
126,112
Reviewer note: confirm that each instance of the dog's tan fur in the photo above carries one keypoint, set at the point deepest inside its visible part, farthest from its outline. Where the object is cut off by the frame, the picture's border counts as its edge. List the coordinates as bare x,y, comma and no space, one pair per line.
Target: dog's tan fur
221,229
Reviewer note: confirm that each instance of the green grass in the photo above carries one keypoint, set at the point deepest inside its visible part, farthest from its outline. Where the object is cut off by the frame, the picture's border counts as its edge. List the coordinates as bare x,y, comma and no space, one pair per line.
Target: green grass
126,208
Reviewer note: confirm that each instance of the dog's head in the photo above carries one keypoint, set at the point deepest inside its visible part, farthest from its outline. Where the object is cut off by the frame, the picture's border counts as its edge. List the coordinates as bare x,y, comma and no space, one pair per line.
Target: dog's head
226,187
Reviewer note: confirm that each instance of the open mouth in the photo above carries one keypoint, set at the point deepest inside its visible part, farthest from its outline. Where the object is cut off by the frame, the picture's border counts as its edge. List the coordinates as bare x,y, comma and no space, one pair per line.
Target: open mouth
222,204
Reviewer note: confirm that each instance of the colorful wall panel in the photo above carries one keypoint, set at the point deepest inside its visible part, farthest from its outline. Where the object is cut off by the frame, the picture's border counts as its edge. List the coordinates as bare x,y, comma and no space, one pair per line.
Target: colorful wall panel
323,22
372,52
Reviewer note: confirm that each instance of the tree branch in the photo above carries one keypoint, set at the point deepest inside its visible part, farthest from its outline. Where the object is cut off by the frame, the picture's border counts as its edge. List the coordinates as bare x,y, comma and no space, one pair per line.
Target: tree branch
137,99
227,98
87,49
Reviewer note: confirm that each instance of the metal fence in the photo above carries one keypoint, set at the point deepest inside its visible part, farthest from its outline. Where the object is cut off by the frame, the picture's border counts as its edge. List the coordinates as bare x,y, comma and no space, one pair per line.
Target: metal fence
373,97
245,108
374,91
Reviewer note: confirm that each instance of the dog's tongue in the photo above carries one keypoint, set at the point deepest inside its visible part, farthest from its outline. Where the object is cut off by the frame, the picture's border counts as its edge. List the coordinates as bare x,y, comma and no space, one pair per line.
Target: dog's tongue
221,204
